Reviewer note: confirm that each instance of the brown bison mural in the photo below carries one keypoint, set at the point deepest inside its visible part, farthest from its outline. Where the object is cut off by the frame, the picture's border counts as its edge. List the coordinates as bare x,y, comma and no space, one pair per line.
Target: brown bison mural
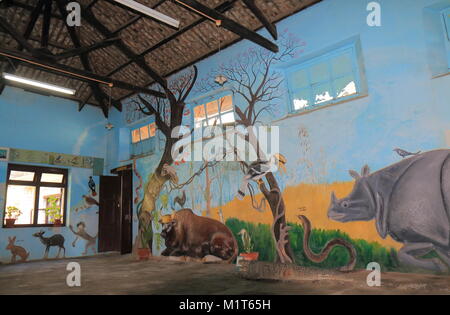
187,234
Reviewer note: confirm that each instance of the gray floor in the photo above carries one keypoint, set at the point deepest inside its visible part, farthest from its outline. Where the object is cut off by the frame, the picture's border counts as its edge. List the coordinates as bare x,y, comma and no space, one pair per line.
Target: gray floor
115,274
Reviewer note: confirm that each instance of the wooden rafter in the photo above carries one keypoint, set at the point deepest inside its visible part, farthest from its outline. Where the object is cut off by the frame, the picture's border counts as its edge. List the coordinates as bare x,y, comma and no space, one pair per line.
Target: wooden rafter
23,43
46,24
139,60
99,95
271,28
173,48
85,49
73,73
221,8
228,24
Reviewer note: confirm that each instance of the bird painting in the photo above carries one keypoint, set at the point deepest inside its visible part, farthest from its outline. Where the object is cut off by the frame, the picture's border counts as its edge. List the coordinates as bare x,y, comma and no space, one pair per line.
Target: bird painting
257,170
87,203
180,200
404,153
91,185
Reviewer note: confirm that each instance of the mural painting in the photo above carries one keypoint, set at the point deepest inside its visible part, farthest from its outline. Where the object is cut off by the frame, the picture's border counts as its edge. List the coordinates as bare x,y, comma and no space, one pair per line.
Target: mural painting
259,91
52,241
408,201
278,208
80,232
16,251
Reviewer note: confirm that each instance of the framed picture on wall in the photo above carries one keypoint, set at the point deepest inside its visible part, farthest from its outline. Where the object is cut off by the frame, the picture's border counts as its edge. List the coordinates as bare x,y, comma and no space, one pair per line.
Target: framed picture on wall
4,154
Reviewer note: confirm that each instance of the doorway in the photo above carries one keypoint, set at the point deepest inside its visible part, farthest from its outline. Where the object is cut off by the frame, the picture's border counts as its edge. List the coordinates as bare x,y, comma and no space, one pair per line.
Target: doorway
116,211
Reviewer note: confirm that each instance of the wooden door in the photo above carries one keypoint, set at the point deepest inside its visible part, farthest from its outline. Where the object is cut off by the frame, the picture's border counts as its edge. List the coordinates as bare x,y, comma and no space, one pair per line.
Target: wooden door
109,214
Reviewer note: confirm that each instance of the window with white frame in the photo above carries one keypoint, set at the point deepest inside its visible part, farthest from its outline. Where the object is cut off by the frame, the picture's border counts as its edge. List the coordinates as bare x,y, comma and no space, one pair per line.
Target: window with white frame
143,139
218,111
329,78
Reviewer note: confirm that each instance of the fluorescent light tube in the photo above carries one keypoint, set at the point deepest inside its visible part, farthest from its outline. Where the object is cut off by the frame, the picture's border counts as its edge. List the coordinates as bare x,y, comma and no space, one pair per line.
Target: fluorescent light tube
150,12
38,84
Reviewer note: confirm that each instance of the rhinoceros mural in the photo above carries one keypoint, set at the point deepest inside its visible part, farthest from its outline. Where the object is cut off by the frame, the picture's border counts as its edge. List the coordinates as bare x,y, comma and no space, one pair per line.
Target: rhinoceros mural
410,201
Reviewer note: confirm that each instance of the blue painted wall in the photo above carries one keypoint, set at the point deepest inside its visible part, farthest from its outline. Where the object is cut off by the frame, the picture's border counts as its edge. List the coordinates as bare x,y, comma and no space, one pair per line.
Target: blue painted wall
35,122
407,104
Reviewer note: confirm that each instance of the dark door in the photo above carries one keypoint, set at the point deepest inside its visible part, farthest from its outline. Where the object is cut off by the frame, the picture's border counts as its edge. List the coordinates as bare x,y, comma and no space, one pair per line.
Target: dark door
109,220
127,211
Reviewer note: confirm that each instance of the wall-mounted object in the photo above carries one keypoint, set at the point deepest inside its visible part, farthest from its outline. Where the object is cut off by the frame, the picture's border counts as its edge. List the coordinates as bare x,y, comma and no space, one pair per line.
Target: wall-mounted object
60,159
221,79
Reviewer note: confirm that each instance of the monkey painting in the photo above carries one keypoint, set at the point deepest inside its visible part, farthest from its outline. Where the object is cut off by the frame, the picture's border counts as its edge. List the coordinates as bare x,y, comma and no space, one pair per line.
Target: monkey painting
81,232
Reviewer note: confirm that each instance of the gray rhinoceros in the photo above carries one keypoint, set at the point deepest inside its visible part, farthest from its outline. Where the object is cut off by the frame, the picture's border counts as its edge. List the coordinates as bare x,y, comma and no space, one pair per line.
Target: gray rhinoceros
410,201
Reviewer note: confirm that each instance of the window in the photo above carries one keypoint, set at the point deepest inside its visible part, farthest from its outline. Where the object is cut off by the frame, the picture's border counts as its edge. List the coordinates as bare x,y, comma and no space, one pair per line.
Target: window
143,140
32,190
216,112
326,79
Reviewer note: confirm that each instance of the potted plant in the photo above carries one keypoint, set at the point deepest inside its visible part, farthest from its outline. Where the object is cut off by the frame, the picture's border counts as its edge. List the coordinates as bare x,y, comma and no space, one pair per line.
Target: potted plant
12,213
53,210
248,254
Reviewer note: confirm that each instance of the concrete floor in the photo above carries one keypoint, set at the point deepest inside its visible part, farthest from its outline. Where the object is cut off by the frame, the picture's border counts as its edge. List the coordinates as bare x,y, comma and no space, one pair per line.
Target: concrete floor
115,274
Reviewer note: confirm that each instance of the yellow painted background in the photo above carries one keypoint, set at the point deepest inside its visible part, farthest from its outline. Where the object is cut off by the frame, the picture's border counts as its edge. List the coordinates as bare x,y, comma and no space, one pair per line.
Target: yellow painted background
316,199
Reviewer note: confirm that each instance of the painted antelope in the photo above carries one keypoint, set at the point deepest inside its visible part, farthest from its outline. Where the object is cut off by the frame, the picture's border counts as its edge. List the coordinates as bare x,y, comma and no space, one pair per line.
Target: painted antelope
55,240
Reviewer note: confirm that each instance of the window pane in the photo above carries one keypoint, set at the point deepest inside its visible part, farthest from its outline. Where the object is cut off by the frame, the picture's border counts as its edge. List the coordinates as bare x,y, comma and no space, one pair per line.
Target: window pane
319,73
301,99
199,113
212,108
226,104
152,128
300,79
50,198
24,176
213,121
21,197
342,65
144,133
136,148
322,93
345,86
228,118
52,178
135,136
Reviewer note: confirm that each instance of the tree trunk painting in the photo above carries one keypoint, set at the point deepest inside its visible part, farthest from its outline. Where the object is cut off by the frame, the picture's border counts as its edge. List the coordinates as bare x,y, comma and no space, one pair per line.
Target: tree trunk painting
251,77
176,95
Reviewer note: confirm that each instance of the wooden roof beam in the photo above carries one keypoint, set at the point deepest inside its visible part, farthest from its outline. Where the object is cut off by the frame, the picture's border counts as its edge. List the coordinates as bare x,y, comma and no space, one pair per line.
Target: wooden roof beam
46,24
85,49
98,93
227,23
139,60
73,73
271,28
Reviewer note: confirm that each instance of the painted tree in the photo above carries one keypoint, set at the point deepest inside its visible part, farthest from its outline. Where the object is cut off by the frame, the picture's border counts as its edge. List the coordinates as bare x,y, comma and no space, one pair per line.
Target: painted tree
252,78
168,114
